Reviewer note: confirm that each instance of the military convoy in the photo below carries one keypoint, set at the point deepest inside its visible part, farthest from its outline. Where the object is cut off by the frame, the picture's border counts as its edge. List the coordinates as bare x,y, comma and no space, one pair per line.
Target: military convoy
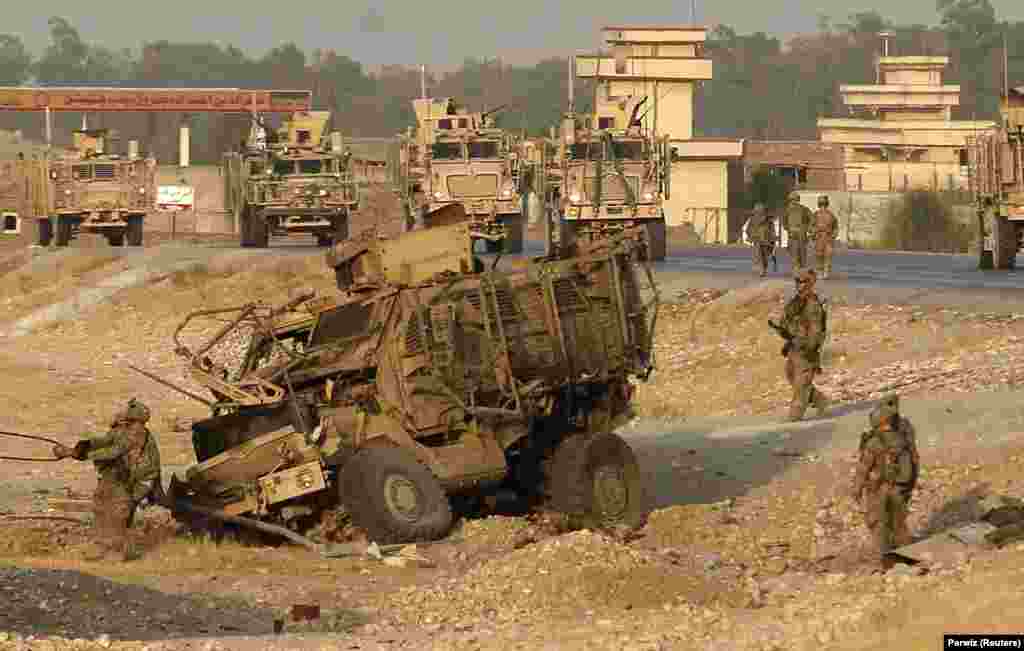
90,189
996,166
457,166
294,180
425,382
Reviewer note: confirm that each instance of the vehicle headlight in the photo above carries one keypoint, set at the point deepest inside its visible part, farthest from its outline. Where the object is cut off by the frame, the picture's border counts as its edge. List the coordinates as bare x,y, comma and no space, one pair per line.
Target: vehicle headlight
575,196
323,193
67,192
142,190
439,195
506,193
648,196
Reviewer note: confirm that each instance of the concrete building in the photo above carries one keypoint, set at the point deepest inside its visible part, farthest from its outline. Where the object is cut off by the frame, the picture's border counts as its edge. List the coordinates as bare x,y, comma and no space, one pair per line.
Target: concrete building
900,135
665,64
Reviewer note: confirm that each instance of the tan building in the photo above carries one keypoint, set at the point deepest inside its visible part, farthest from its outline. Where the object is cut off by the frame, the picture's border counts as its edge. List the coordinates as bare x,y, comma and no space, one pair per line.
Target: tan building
665,64
903,136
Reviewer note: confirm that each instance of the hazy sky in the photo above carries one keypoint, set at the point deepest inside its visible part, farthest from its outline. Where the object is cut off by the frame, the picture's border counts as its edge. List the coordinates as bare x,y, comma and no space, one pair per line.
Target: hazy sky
436,32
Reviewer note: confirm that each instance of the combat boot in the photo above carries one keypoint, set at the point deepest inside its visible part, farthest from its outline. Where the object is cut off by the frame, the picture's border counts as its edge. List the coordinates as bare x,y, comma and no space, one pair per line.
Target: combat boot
820,403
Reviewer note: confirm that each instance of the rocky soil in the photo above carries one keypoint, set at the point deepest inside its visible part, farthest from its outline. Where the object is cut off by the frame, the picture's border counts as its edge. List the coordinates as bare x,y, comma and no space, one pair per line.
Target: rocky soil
754,544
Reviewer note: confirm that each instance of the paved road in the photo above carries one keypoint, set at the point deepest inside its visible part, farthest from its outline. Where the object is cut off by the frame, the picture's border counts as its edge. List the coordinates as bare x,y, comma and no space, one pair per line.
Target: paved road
858,277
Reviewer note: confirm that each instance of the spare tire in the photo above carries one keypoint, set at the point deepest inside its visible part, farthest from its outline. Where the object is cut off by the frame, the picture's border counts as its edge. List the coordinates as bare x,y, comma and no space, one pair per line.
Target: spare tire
596,482
393,497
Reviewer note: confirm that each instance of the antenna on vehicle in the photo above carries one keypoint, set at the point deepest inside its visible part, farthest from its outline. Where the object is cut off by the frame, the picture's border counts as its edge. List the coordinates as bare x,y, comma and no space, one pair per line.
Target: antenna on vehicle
423,81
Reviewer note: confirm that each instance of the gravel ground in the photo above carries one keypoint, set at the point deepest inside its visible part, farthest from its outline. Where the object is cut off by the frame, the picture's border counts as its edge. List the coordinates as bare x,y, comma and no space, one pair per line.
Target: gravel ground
754,545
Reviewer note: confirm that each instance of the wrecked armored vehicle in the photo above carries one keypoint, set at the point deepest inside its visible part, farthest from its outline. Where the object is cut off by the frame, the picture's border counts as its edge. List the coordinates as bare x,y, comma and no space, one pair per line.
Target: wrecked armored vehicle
428,381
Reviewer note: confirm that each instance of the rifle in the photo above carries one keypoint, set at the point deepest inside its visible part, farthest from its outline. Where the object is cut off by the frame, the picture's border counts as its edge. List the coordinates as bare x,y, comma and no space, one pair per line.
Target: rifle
786,335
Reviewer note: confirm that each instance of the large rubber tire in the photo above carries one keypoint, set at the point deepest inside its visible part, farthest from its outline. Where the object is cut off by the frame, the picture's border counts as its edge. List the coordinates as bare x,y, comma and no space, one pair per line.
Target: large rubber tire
567,237
596,481
134,231
45,227
63,235
115,239
259,232
657,240
516,229
341,227
393,497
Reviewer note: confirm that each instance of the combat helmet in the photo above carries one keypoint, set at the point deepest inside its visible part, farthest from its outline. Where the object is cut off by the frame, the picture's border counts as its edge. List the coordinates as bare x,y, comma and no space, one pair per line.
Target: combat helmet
823,201
888,408
134,411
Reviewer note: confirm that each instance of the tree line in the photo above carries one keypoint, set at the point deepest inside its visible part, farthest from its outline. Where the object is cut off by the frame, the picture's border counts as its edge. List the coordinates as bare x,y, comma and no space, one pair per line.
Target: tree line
790,84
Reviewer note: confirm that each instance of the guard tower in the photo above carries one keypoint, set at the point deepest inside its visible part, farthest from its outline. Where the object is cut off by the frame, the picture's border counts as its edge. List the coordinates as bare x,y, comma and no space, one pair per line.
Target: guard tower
665,65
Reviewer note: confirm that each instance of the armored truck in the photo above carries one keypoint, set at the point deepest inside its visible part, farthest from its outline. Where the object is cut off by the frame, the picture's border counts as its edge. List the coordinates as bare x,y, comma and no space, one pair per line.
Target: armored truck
293,180
996,171
457,157
90,189
426,381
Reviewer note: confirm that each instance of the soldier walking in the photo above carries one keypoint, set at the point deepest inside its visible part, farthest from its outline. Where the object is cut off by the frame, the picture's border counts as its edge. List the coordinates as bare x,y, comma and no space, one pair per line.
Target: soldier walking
127,461
887,475
803,325
761,233
826,229
798,225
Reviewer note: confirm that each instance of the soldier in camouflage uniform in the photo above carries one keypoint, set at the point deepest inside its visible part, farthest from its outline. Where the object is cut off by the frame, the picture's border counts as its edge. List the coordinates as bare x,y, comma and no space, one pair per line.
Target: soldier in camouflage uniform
887,474
761,234
804,319
128,463
826,229
799,220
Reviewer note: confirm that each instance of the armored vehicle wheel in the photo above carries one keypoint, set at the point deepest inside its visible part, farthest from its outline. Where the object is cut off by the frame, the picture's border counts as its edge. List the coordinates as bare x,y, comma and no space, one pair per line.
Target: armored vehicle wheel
514,241
567,236
657,240
393,497
45,232
115,239
63,237
341,227
596,481
260,233
134,230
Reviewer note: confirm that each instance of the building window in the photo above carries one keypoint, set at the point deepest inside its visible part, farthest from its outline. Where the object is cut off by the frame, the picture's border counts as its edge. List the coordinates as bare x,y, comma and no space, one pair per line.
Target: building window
797,176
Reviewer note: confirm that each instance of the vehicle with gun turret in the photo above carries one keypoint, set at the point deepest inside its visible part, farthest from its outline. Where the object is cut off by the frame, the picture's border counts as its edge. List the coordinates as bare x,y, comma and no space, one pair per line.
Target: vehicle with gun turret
293,180
996,173
607,174
90,189
427,381
457,165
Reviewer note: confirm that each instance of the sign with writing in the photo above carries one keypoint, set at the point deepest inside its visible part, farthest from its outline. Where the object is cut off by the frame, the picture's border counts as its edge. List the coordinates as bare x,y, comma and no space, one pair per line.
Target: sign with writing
199,100
175,197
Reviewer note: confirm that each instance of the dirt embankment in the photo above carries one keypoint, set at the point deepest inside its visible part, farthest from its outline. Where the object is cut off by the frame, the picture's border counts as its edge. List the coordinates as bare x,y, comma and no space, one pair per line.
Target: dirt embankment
780,564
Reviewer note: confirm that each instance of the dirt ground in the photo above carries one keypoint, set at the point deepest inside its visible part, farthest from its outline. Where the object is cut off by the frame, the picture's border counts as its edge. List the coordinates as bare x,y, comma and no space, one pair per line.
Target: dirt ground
754,544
